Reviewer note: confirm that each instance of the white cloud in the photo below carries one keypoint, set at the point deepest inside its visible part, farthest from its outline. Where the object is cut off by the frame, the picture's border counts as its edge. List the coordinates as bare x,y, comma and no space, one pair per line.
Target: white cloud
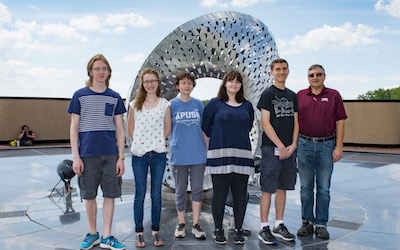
138,57
5,15
123,19
119,30
392,7
214,3
62,31
234,3
34,7
15,75
88,23
346,36
243,3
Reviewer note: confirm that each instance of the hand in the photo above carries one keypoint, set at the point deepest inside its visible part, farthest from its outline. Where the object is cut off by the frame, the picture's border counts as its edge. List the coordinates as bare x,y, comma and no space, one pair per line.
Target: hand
120,168
78,167
291,148
283,153
337,154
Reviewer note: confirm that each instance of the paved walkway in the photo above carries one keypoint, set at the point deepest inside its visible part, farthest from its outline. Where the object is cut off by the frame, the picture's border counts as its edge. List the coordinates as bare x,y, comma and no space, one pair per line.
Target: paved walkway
365,207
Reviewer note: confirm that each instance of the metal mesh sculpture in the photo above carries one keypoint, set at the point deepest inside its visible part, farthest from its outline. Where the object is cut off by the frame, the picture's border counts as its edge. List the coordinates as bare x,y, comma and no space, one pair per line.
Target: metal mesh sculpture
210,46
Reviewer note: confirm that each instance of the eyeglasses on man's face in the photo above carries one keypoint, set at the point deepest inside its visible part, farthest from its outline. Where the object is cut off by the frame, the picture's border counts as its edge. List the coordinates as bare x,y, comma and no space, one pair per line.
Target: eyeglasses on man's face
105,69
316,74
147,82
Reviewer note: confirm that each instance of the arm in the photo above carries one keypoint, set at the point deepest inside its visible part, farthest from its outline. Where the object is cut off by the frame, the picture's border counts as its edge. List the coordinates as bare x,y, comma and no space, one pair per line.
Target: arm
21,135
270,132
167,122
206,139
337,153
120,136
77,165
293,146
130,126
32,136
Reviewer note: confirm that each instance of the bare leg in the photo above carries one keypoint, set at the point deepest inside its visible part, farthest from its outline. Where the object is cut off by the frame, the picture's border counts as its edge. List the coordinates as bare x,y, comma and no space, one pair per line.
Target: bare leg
280,200
91,213
181,216
108,213
196,207
265,204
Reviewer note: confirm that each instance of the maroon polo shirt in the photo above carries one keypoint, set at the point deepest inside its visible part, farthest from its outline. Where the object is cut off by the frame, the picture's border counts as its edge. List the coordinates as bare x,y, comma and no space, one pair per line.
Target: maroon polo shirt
318,113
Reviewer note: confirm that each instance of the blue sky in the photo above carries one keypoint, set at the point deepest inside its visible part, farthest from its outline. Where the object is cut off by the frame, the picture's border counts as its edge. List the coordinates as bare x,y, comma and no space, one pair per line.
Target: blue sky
45,45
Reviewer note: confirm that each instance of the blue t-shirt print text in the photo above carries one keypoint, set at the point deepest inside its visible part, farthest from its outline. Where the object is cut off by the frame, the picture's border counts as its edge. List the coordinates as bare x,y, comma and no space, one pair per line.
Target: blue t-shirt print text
188,117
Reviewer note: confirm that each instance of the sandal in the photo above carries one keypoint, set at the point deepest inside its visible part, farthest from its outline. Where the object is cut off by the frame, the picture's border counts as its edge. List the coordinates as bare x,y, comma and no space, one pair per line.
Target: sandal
157,241
140,241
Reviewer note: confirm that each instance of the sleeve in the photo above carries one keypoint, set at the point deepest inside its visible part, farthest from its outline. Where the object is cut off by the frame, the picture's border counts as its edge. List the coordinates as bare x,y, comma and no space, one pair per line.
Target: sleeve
201,108
208,117
120,109
296,108
265,101
74,105
340,111
251,113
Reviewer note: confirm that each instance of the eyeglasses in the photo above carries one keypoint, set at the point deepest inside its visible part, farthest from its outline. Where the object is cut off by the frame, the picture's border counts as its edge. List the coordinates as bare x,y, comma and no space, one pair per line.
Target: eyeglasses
105,69
317,74
150,81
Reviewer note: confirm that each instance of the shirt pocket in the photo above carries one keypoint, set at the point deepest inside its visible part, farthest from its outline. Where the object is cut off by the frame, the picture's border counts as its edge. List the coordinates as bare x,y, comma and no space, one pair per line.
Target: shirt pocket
109,110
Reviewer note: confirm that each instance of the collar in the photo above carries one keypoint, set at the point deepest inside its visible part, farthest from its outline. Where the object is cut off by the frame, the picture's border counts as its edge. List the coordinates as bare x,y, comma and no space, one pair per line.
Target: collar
324,91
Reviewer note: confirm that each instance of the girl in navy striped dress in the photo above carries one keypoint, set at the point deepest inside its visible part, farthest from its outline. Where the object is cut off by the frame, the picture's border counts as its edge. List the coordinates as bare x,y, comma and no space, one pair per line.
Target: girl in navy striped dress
227,121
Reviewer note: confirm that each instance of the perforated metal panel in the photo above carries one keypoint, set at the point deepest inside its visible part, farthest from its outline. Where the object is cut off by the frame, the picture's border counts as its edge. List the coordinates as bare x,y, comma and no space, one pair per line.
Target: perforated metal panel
210,46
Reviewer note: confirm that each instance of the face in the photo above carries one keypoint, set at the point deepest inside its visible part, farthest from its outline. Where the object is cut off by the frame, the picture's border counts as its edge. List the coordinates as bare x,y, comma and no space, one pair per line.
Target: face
280,72
100,72
26,129
316,77
185,86
150,83
233,86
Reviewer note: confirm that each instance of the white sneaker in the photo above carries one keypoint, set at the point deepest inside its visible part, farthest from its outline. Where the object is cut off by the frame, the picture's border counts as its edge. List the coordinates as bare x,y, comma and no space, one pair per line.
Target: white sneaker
180,231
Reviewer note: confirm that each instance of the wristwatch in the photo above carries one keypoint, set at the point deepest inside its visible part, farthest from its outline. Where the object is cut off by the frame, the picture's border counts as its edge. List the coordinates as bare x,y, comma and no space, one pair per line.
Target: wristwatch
121,157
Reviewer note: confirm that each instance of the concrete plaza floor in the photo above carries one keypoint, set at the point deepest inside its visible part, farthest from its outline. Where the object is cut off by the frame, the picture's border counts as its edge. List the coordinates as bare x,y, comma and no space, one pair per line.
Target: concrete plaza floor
364,213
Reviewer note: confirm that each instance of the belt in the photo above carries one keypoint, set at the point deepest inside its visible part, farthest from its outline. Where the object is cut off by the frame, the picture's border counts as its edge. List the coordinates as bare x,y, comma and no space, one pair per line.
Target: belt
317,139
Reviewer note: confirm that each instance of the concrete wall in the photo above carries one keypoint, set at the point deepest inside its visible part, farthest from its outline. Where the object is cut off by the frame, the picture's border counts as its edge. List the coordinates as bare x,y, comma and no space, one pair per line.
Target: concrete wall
368,122
47,118
372,122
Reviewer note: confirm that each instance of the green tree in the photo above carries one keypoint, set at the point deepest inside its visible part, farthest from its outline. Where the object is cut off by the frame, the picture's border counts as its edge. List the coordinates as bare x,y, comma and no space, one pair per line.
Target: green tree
205,102
381,94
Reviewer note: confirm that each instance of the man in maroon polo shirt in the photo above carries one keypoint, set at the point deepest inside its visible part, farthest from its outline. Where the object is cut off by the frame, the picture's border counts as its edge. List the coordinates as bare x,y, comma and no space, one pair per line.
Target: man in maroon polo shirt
321,127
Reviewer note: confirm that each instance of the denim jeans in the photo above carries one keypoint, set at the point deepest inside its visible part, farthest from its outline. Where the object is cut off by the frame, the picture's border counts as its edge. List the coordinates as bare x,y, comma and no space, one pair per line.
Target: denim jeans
315,163
140,166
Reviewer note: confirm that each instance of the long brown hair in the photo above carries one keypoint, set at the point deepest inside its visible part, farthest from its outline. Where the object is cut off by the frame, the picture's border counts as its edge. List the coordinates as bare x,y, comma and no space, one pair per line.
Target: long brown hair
231,75
100,57
141,94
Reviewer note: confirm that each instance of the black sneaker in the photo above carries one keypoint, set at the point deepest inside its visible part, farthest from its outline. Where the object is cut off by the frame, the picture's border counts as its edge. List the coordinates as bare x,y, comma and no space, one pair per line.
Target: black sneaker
219,236
321,232
282,232
266,237
239,237
306,229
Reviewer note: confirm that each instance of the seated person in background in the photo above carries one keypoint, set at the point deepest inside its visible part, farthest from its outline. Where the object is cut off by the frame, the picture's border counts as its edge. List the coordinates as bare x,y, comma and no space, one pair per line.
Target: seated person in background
26,137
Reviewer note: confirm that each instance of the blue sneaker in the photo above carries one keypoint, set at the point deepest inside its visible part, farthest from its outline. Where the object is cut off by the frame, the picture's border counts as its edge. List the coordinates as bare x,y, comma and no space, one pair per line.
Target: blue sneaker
111,243
90,241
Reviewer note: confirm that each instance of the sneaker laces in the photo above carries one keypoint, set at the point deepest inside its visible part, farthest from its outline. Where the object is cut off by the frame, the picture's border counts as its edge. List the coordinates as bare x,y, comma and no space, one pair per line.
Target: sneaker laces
181,226
198,228
90,237
112,241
